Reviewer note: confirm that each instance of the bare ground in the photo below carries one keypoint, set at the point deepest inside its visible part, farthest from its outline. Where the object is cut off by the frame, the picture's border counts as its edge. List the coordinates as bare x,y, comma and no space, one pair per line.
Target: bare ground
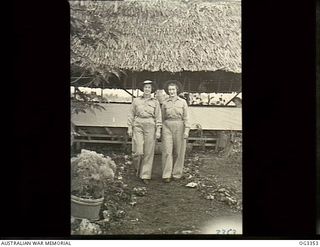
173,208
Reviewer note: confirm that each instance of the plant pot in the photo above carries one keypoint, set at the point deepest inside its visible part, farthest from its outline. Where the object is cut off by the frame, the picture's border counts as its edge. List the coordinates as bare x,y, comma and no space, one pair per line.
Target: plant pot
85,208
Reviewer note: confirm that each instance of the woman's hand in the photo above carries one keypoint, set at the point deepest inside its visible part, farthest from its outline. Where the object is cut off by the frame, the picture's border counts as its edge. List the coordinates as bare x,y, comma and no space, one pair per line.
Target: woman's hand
185,135
158,134
129,132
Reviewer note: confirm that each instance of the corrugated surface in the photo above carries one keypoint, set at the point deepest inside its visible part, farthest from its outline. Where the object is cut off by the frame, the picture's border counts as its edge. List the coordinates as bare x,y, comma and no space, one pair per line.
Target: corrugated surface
210,118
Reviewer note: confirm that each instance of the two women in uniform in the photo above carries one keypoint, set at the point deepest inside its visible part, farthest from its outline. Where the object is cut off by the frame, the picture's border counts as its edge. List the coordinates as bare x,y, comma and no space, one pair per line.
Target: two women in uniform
144,126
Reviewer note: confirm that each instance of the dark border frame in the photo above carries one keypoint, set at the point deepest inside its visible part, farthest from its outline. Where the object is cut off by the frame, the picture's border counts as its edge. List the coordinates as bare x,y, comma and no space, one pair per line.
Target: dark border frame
279,133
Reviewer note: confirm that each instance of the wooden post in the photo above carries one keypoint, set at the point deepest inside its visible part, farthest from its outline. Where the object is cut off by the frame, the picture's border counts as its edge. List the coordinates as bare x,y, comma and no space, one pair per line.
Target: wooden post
189,99
78,146
233,97
101,98
132,85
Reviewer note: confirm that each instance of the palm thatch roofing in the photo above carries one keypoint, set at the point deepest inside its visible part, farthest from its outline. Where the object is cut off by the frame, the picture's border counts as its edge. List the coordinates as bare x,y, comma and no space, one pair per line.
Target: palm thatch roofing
163,35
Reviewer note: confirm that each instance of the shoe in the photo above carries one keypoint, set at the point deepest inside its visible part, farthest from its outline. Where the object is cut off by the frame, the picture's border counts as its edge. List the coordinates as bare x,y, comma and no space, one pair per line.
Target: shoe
167,180
176,179
145,181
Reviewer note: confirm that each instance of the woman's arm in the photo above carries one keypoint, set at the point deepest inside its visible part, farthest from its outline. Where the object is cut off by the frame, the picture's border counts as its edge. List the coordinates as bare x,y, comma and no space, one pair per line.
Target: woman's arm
186,119
158,118
131,116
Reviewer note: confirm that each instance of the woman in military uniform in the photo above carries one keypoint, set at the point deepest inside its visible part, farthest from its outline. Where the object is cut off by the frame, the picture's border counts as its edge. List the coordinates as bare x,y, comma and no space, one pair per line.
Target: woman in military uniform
144,126
175,131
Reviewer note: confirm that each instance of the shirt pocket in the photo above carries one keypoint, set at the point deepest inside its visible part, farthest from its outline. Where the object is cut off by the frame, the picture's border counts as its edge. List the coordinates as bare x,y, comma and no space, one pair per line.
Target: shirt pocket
167,107
179,108
179,111
150,108
170,111
140,109
179,104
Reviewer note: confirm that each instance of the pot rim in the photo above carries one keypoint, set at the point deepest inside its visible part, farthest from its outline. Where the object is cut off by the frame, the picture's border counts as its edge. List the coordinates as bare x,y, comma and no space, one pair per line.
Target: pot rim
86,200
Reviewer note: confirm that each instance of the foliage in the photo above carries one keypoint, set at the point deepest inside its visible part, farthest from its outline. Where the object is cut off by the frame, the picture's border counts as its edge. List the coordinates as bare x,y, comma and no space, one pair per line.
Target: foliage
84,102
89,30
91,173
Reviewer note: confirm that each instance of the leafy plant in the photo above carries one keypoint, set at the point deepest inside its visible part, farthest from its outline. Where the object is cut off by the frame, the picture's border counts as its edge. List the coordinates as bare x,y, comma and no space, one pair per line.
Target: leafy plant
91,173
89,33
84,102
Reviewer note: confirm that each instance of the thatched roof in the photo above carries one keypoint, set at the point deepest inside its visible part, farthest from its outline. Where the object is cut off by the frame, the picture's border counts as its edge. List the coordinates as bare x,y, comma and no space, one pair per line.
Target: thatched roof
165,35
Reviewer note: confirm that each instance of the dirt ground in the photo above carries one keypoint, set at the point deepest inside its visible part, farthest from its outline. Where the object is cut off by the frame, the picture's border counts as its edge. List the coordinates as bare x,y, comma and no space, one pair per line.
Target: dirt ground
213,205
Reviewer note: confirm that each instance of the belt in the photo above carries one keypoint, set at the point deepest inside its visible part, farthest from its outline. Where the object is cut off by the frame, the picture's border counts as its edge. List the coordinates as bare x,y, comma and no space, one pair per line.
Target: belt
174,119
143,117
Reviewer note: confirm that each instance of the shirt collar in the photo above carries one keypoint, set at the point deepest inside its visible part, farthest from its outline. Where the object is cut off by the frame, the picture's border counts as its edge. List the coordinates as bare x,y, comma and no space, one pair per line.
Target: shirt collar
175,98
152,97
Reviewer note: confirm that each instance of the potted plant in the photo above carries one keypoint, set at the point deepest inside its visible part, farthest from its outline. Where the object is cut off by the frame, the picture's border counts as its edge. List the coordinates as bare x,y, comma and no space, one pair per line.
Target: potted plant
91,173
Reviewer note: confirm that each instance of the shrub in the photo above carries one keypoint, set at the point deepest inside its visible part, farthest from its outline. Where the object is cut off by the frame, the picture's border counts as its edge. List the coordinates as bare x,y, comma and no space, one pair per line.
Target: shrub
91,173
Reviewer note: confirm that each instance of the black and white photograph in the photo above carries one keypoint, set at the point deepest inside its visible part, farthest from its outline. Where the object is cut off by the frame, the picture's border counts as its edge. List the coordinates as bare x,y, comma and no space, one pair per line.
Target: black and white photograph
156,117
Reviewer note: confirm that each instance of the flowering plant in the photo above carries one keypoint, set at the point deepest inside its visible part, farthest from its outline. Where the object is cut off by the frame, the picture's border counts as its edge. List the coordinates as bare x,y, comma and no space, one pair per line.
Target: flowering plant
91,173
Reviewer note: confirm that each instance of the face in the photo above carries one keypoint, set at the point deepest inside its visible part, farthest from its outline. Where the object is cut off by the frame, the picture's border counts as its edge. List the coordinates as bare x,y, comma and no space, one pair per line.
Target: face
172,89
147,89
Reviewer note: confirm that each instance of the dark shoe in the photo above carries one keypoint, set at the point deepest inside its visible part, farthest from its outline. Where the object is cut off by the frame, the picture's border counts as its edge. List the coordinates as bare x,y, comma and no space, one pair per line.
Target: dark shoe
145,181
167,180
176,179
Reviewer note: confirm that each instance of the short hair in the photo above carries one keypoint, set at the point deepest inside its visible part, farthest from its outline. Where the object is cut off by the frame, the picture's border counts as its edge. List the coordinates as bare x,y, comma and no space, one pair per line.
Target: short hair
173,84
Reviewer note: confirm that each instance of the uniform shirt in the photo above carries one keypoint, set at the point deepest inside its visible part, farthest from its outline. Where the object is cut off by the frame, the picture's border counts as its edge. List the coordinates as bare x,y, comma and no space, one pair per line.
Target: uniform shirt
176,108
145,108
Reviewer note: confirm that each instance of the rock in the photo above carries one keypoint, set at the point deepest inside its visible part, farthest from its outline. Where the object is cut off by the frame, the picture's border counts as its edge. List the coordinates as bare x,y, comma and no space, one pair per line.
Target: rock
88,228
120,213
191,185
106,215
186,169
140,191
210,197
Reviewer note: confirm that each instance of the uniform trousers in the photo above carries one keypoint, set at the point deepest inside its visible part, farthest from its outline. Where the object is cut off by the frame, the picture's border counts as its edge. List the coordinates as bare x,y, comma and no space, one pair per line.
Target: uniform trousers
173,148
143,144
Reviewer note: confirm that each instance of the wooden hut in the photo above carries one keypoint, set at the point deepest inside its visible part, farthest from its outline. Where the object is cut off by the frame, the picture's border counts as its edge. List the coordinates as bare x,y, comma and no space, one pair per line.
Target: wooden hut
195,42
